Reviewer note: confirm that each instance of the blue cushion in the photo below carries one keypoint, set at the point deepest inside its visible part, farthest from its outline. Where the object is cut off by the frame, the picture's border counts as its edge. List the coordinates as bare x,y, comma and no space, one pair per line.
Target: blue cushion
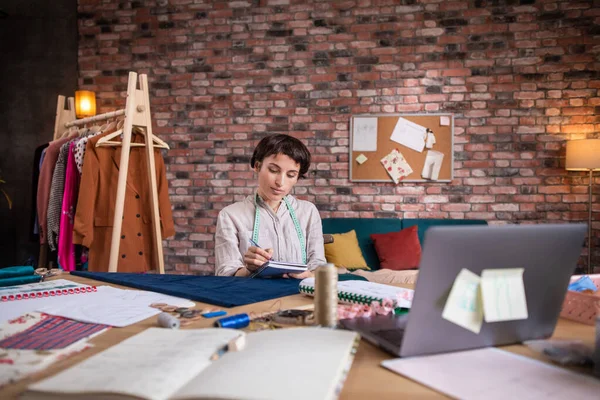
424,224
364,227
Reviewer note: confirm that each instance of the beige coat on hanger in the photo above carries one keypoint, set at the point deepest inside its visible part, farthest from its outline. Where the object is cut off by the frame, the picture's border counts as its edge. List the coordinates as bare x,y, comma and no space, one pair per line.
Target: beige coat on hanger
95,207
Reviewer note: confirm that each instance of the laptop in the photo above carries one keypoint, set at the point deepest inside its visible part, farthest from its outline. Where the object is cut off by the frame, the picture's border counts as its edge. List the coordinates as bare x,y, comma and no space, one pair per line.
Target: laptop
547,252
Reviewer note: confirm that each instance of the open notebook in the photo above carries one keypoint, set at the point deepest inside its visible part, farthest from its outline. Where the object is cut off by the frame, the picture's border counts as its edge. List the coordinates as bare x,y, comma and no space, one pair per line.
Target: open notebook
278,268
175,364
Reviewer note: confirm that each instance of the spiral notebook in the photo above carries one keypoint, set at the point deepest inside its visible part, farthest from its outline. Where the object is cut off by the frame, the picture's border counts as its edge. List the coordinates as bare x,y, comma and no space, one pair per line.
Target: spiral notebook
278,268
363,292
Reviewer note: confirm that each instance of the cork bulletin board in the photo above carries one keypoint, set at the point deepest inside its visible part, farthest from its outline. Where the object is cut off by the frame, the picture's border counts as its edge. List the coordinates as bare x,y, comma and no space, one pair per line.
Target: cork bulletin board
401,148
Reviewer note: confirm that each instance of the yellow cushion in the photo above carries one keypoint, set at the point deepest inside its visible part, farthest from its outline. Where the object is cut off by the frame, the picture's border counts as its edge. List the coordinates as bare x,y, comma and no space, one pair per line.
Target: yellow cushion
345,251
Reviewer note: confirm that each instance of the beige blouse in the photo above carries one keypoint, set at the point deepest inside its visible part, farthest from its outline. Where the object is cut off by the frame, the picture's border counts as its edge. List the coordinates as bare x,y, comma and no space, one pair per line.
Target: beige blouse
276,230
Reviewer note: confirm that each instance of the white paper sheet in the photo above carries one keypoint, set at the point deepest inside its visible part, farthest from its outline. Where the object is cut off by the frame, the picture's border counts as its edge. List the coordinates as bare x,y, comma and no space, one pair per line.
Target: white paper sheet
444,120
492,374
463,306
503,294
364,137
409,134
111,306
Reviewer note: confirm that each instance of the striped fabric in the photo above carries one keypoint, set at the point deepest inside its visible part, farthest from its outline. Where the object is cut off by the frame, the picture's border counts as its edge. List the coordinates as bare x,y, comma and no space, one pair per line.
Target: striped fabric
51,333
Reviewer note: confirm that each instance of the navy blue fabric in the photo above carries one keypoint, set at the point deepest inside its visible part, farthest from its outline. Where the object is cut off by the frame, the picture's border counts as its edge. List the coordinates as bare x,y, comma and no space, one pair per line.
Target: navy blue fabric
224,291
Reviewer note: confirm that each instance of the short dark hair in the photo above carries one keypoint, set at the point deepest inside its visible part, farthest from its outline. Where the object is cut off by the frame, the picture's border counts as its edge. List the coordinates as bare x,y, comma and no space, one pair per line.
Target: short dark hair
282,144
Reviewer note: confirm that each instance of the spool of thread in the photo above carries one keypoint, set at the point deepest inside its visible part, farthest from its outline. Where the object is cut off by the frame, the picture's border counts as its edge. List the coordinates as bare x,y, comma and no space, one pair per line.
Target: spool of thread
166,320
326,296
237,321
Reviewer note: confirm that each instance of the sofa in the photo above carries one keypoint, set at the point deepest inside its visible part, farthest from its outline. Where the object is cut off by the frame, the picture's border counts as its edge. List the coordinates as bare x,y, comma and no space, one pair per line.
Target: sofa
364,227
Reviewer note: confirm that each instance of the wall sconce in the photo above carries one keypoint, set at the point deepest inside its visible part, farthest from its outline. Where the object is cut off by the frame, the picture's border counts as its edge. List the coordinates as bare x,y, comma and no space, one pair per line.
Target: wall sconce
85,103
584,155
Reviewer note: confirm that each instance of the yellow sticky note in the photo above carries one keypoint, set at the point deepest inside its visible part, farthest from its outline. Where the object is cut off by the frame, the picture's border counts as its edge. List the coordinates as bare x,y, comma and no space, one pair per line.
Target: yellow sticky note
503,294
463,306
361,159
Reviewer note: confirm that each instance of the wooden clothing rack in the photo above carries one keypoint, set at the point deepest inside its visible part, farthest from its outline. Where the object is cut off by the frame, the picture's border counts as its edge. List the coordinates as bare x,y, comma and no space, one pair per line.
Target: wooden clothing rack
137,113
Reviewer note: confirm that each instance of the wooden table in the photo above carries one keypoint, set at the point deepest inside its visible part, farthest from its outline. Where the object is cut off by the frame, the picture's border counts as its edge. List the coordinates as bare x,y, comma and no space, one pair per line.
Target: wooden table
365,380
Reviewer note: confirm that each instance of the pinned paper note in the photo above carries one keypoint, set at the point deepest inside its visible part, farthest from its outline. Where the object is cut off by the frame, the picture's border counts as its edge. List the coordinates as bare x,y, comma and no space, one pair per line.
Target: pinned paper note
396,166
430,141
432,165
503,294
463,306
444,120
364,135
409,134
361,159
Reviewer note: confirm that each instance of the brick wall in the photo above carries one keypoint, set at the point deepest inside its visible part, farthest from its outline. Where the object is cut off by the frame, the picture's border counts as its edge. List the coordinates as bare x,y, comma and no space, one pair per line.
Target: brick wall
521,76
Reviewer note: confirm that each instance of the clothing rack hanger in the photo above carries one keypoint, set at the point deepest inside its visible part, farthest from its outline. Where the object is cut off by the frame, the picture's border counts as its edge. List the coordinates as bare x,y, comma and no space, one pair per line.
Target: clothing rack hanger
63,115
137,113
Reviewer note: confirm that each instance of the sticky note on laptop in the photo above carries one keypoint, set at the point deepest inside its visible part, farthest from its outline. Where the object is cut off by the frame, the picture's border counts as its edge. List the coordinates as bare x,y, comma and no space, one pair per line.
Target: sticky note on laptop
503,294
463,306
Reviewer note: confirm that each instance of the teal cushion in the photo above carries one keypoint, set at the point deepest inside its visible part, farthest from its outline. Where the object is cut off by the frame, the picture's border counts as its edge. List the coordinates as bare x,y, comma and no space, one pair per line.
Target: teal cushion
364,227
350,277
424,224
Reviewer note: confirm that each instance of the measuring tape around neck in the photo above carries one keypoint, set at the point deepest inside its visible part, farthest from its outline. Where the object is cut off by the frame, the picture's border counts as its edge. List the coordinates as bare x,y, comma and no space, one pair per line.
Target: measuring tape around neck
294,220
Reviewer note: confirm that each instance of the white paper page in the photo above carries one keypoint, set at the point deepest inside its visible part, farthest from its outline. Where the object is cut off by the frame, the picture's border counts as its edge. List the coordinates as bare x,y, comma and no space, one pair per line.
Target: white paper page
492,374
152,364
444,120
295,363
503,294
463,306
409,134
112,306
364,137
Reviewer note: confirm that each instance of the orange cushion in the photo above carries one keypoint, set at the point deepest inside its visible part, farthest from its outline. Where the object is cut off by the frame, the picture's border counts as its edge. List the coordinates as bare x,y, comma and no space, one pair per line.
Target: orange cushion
398,250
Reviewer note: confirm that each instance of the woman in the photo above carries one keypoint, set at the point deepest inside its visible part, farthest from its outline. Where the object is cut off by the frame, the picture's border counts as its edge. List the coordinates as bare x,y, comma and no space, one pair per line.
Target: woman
284,227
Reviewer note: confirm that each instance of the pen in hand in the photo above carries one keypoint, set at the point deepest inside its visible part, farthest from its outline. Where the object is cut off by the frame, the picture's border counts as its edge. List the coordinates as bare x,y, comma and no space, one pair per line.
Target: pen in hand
253,243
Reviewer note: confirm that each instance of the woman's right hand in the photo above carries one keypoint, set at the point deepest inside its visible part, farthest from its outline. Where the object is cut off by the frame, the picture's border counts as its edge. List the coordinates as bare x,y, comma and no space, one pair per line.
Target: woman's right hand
255,257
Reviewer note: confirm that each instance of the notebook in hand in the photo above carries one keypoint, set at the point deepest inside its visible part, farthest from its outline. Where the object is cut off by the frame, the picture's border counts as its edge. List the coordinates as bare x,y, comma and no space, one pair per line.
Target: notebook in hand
278,268
362,292
162,364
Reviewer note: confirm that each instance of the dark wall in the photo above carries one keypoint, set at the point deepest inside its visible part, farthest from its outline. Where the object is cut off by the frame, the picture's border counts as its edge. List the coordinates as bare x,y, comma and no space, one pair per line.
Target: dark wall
38,47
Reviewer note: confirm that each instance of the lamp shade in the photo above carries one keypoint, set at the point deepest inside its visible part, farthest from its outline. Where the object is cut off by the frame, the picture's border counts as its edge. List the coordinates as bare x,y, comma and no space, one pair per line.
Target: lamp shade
583,155
85,103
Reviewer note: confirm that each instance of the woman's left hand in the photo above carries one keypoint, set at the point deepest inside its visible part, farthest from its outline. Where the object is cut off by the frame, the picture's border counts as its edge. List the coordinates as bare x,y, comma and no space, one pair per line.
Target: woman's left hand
302,275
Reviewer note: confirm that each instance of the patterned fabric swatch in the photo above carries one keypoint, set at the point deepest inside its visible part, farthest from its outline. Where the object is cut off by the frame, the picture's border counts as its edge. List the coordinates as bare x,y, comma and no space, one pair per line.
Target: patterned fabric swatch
396,166
51,333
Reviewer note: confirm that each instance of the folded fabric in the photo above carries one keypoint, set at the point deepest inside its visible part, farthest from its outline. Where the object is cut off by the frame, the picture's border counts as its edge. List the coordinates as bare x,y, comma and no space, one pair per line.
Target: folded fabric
583,284
11,272
224,291
396,166
37,331
20,280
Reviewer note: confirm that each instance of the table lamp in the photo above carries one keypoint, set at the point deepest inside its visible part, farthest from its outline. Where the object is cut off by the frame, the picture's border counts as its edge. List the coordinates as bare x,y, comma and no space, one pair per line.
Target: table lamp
85,103
584,155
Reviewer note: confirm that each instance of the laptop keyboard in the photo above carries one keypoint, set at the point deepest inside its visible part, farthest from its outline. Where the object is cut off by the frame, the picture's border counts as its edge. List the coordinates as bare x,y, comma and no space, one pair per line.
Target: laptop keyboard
394,335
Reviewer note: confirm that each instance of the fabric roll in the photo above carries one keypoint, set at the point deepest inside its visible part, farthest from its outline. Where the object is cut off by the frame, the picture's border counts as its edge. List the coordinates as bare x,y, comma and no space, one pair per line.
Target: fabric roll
19,280
12,272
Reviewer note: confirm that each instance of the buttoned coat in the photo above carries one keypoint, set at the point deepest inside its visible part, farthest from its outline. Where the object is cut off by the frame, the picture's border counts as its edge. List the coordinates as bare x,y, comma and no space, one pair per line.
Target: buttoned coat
93,223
